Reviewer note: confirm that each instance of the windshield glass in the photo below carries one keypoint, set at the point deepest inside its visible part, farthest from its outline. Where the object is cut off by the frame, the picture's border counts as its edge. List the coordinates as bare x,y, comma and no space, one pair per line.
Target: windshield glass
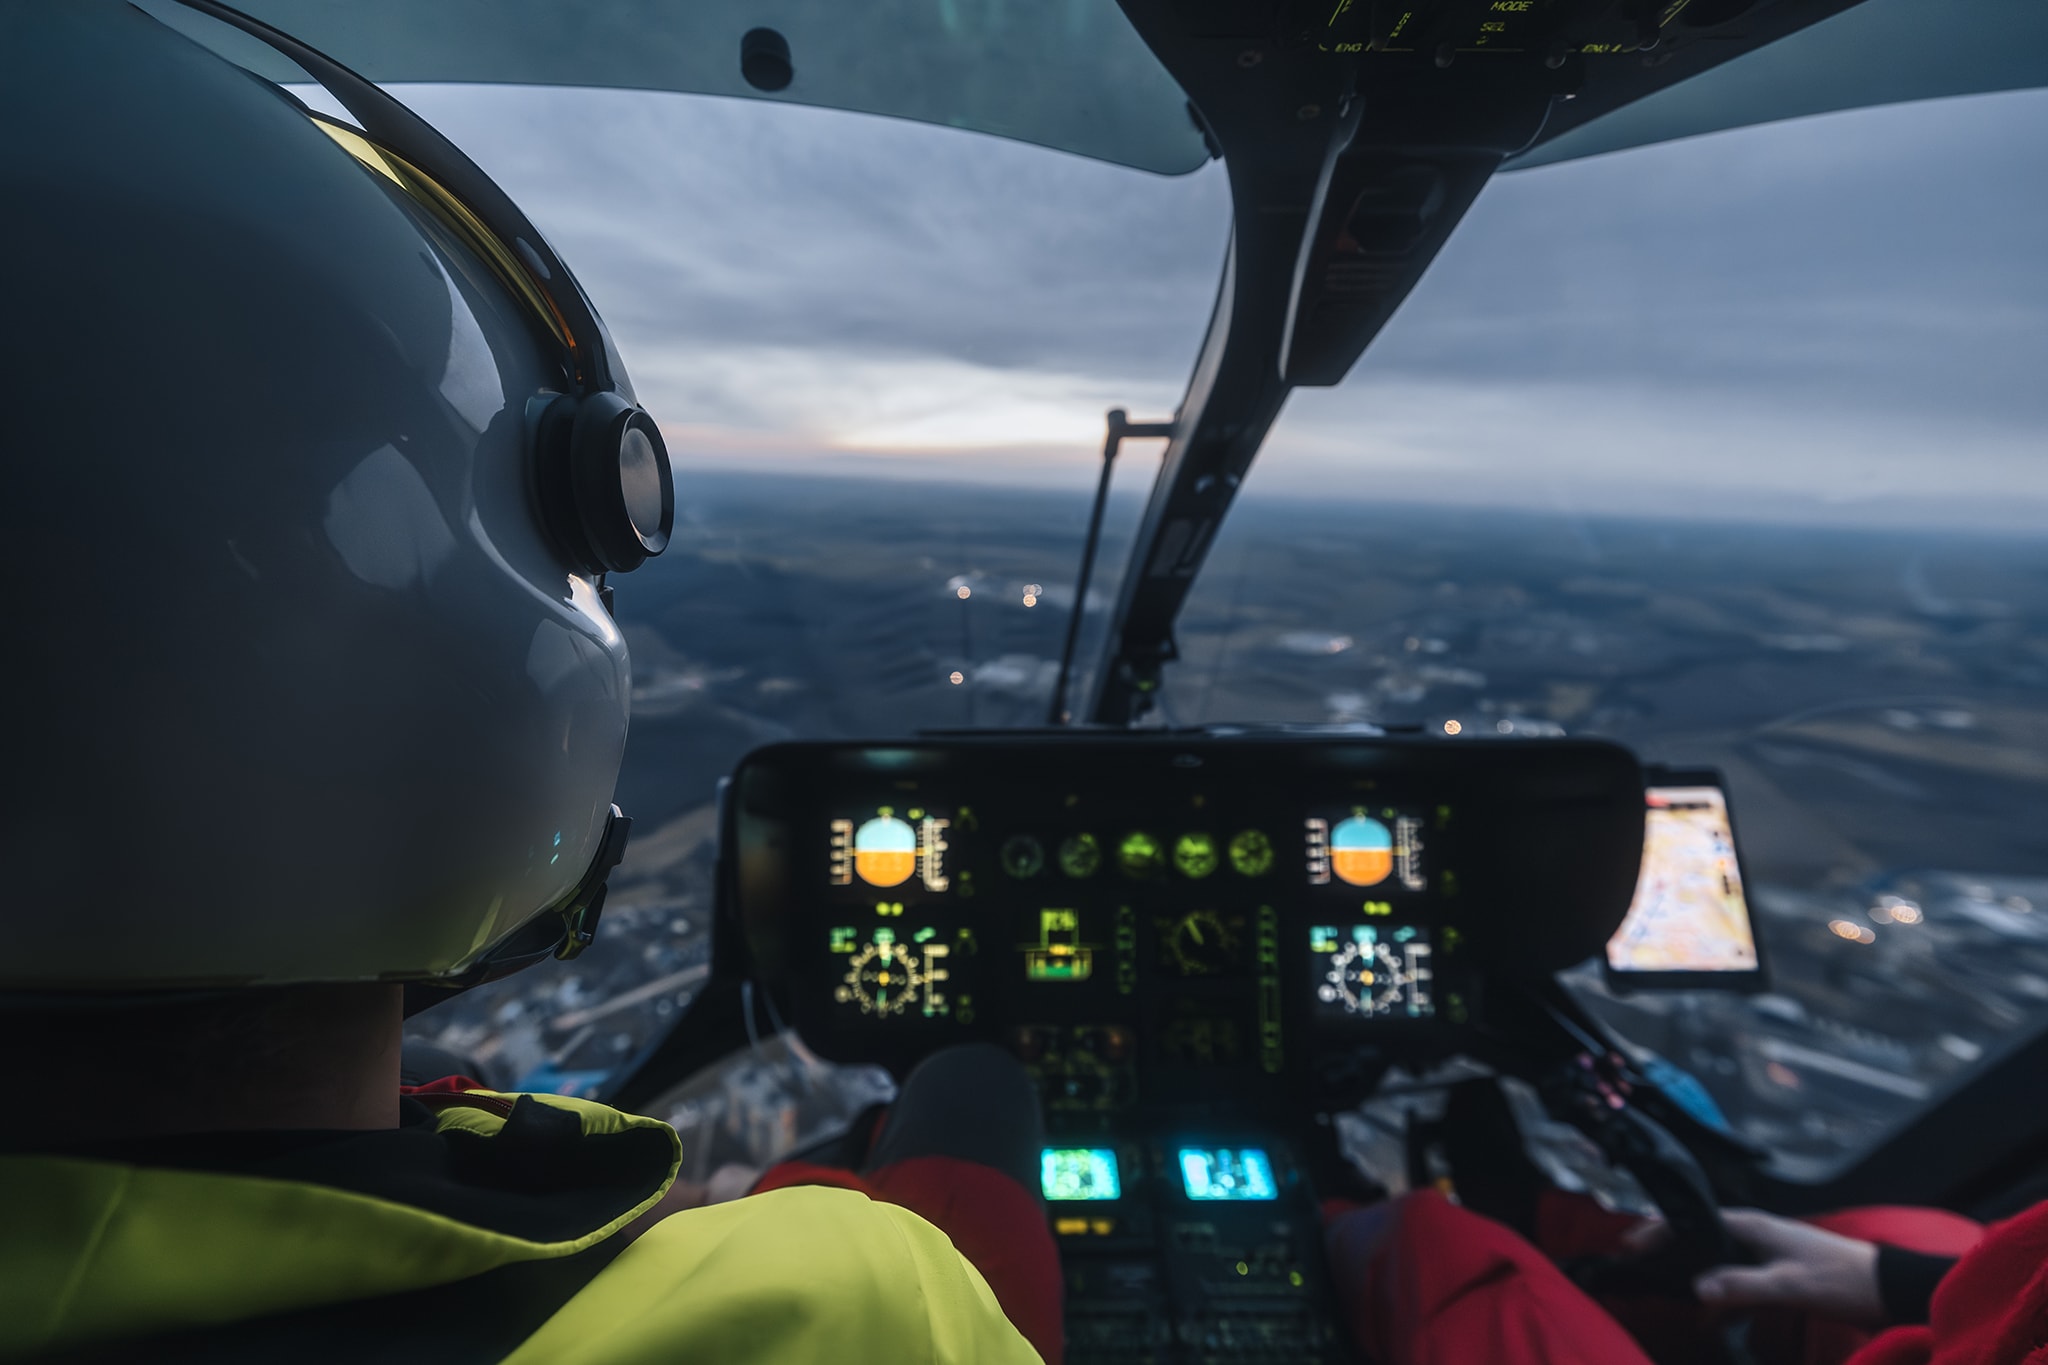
1073,76
1727,449
1721,448
881,354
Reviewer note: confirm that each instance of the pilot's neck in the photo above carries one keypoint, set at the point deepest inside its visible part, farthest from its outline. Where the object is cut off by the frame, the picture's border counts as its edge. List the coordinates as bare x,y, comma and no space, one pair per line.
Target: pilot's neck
296,1057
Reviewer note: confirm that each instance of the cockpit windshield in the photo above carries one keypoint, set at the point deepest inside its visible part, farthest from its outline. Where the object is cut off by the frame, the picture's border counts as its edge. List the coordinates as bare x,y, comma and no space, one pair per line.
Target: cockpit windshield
1774,511
1724,449
1072,76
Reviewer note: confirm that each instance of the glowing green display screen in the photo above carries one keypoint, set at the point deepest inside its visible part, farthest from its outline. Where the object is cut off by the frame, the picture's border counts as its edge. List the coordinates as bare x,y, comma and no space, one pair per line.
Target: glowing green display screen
1227,1173
1079,1173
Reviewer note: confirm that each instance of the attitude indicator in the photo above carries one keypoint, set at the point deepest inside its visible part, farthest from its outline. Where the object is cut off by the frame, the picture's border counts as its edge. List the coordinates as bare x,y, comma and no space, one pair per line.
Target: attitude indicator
1361,851
888,849
1365,848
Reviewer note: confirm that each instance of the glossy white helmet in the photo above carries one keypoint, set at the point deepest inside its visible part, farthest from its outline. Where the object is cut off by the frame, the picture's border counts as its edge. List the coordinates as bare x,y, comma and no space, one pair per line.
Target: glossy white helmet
315,459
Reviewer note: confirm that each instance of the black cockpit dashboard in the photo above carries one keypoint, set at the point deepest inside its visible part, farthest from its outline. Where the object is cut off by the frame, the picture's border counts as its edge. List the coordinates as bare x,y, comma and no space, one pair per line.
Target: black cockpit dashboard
1201,948
1235,913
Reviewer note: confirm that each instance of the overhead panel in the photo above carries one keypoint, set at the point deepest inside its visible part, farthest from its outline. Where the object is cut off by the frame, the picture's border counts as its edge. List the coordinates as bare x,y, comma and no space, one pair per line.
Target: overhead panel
1880,52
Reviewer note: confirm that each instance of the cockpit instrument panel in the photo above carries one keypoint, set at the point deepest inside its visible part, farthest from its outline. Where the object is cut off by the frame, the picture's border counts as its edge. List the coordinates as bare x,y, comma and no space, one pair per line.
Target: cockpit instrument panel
1185,910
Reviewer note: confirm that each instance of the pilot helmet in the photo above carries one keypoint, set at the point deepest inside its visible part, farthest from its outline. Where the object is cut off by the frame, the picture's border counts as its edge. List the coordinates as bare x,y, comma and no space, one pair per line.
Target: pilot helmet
317,459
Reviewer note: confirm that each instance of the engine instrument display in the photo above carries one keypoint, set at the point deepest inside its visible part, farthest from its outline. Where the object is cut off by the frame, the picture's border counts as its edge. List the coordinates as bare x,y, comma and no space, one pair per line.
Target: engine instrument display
1233,1173
1058,954
1075,1173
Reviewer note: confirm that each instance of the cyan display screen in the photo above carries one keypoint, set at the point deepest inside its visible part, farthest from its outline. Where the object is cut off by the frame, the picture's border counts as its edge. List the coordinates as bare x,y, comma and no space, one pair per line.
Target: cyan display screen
1079,1173
1227,1173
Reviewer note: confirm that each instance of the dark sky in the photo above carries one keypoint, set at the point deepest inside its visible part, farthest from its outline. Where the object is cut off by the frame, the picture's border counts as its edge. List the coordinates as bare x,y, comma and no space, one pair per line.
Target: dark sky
1838,318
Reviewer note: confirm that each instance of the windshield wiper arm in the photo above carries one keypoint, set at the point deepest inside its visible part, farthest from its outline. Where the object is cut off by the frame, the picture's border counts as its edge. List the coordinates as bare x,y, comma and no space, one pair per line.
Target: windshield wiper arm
1120,426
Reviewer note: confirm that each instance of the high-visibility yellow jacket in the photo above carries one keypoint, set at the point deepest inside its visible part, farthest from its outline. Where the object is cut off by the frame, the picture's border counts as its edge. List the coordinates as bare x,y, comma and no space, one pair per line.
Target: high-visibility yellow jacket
105,1251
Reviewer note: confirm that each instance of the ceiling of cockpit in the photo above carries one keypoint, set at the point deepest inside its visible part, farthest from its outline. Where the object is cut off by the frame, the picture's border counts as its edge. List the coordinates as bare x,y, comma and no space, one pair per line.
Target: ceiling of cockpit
1074,75
1879,52
1069,74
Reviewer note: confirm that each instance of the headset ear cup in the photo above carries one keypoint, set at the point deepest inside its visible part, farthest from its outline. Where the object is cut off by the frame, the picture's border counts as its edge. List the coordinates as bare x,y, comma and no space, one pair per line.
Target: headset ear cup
604,483
646,483
625,493
555,484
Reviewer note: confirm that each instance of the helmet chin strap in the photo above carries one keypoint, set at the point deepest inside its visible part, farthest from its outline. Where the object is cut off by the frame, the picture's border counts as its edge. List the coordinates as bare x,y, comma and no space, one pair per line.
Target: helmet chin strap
586,903
562,931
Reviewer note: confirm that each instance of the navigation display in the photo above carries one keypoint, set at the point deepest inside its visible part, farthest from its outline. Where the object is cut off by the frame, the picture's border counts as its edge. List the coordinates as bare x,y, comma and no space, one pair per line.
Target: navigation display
1072,1173
1366,971
1227,1173
1690,913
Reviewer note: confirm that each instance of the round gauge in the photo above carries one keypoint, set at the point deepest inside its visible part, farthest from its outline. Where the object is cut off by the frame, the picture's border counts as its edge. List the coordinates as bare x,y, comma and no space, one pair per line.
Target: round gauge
1201,944
1084,1080
1368,978
1139,855
1023,856
1080,855
1251,853
882,978
1194,855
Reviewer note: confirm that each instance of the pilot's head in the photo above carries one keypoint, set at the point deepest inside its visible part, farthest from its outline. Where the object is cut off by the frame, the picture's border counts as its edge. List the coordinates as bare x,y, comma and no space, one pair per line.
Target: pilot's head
316,459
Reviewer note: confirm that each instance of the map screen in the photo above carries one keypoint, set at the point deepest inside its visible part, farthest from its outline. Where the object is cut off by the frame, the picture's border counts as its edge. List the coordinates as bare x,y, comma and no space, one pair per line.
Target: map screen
1689,913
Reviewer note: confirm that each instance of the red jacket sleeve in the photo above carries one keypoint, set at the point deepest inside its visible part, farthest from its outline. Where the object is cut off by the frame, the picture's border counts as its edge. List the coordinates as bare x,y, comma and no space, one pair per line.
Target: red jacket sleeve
1992,1309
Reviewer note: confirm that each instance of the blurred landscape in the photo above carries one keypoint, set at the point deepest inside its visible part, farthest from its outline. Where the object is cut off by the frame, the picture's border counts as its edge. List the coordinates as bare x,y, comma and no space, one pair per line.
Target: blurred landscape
1874,696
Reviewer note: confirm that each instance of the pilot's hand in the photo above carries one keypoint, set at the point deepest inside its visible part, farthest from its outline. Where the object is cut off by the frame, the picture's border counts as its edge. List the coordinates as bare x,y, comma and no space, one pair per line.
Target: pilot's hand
1798,1266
